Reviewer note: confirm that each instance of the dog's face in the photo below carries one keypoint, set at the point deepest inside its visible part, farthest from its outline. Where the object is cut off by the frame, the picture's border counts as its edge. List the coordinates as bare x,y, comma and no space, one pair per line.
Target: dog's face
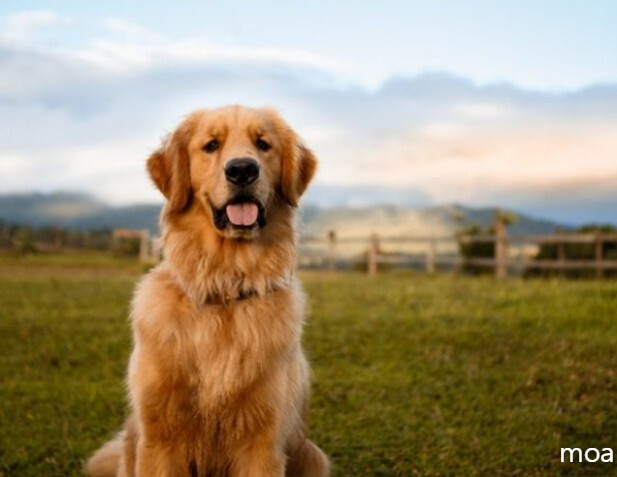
236,163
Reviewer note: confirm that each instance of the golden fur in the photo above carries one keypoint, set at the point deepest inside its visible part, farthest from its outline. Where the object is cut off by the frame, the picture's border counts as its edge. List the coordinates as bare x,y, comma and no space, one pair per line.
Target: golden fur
217,380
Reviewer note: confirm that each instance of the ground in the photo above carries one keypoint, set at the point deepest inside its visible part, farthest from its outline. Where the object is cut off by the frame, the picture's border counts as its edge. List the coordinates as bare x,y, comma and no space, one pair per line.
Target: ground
413,375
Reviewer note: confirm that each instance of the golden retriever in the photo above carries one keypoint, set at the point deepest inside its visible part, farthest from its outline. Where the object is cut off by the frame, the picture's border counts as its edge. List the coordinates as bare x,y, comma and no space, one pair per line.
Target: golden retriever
217,380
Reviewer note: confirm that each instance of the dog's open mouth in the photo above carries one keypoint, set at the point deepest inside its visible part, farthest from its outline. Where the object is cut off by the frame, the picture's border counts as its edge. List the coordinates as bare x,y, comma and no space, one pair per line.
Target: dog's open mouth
242,212
242,215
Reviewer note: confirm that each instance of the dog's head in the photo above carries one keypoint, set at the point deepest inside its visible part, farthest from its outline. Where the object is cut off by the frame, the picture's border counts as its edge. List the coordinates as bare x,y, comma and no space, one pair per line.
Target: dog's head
235,163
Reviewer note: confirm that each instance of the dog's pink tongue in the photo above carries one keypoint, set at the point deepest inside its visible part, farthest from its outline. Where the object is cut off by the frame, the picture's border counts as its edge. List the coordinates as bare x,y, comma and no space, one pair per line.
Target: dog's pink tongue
242,214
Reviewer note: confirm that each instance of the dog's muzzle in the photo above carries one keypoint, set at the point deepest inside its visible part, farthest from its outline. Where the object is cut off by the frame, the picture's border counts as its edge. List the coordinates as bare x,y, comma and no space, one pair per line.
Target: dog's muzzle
244,211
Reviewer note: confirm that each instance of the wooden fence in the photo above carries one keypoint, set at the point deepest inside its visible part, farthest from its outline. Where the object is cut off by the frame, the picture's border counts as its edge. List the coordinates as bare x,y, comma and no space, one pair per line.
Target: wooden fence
503,260
513,254
149,248
372,254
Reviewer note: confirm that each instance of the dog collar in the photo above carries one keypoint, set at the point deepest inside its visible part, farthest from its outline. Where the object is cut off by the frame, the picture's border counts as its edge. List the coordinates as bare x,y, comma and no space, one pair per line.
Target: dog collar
220,299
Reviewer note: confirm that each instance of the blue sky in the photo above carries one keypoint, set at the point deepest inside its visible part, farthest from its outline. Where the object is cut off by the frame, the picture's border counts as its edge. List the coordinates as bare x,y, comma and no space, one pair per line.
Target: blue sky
546,44
509,103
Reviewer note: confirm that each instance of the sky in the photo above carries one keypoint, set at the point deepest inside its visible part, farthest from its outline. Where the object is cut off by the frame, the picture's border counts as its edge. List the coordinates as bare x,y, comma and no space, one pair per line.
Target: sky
482,102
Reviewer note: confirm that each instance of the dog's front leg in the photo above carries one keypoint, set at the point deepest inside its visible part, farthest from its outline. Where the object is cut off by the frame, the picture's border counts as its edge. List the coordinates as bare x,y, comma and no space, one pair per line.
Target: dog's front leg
260,458
159,460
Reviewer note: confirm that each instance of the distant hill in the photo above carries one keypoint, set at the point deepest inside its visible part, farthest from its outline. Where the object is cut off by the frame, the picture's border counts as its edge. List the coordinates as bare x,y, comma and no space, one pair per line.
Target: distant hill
394,221
75,211
80,211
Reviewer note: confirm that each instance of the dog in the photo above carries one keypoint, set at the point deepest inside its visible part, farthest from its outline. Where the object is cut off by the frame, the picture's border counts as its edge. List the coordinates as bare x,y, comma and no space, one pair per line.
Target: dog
218,383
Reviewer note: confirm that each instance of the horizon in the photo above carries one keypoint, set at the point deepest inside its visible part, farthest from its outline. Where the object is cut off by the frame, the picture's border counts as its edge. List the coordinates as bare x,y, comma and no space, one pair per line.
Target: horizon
489,105
82,195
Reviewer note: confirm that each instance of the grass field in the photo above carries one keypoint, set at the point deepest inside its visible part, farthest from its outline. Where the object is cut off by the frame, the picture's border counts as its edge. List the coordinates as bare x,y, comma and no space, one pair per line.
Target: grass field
413,375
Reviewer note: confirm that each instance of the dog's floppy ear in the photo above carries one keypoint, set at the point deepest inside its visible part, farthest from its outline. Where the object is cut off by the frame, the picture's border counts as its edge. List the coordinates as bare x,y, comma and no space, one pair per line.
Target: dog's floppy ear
169,168
298,168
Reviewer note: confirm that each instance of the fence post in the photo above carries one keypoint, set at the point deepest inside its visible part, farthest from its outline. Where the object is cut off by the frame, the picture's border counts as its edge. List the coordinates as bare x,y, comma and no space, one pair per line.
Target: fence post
144,245
373,255
430,256
561,255
599,253
561,251
501,248
331,250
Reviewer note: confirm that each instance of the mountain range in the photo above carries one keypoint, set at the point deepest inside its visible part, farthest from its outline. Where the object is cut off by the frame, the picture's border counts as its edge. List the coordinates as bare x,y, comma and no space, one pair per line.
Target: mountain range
81,211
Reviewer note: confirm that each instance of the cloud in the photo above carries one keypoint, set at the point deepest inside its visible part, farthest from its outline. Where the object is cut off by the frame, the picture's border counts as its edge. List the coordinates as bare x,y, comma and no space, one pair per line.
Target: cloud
20,28
85,117
120,27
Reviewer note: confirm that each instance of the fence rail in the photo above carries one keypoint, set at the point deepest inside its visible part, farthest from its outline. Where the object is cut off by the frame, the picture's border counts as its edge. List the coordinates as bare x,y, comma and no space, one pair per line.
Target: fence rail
502,262
507,253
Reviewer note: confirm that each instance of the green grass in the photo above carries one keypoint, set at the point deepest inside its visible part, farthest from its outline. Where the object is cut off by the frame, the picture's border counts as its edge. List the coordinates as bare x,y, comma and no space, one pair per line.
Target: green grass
413,375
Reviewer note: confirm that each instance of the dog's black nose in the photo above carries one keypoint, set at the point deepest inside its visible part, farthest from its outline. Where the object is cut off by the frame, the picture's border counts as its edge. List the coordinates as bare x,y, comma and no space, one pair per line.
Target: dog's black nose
242,171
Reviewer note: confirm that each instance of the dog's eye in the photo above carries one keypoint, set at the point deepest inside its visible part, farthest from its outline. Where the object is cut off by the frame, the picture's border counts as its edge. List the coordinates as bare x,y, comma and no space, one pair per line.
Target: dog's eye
263,145
211,146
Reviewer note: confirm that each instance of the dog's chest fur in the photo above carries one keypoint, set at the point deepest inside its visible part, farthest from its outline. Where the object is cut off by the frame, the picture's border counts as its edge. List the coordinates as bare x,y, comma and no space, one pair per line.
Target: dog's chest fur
217,354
